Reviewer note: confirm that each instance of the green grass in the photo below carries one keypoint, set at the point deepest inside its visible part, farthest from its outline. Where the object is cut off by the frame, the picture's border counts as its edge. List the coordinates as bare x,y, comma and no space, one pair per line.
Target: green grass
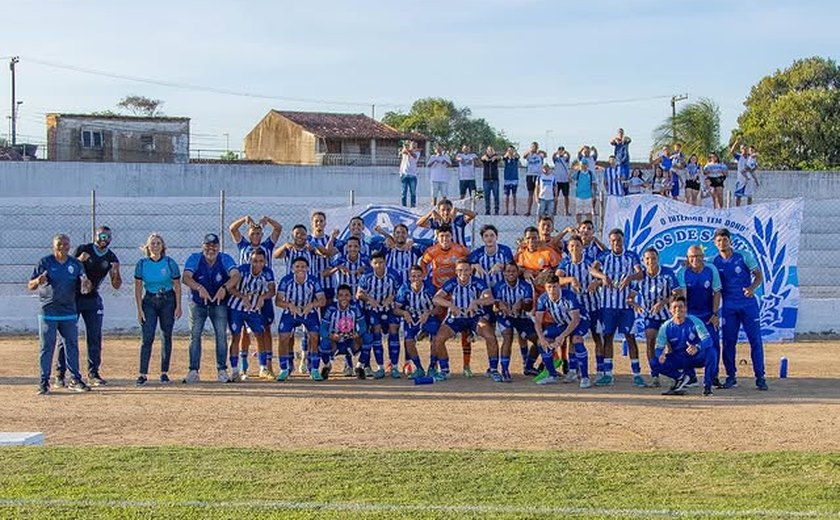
158,482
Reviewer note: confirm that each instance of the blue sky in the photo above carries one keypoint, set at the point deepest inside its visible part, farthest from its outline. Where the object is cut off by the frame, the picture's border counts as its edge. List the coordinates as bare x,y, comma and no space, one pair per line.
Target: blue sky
488,55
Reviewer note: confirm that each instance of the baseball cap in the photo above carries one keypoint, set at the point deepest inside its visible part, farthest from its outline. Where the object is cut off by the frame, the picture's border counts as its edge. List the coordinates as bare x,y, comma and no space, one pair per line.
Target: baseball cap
211,238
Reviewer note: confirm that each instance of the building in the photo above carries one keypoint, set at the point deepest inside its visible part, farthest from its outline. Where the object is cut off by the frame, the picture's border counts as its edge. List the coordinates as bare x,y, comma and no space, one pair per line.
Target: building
117,138
284,137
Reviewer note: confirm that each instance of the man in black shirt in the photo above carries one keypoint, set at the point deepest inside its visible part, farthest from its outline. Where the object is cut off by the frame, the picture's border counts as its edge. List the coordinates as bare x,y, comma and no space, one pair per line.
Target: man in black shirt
99,262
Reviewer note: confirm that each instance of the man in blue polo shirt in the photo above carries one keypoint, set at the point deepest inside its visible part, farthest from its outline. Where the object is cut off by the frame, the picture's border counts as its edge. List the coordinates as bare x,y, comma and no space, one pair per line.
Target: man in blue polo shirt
740,276
55,278
210,275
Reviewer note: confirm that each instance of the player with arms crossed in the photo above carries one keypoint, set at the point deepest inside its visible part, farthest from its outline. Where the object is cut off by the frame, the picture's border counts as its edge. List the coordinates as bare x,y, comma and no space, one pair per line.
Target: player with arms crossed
414,303
299,295
377,292
514,300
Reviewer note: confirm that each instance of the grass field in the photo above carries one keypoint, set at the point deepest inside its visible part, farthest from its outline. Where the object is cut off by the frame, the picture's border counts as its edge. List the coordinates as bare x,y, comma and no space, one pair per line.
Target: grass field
179,482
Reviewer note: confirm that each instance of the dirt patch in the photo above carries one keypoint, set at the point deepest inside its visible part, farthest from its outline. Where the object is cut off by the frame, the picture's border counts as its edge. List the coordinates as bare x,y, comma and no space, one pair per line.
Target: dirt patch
798,413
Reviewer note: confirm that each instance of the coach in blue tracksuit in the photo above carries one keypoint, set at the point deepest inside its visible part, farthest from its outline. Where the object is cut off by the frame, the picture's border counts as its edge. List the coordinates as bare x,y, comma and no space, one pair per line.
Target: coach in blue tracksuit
740,276
683,344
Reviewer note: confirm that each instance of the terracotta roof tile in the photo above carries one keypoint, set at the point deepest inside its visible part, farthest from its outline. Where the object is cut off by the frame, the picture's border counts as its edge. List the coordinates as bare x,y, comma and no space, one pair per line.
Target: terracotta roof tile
336,126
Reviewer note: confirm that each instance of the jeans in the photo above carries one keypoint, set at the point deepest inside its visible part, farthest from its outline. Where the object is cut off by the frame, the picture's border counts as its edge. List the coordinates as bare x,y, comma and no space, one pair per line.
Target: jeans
465,186
157,308
409,183
491,187
91,313
47,331
198,317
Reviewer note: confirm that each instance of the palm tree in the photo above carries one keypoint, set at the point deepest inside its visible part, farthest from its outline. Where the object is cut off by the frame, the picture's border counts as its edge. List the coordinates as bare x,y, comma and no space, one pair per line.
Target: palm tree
696,126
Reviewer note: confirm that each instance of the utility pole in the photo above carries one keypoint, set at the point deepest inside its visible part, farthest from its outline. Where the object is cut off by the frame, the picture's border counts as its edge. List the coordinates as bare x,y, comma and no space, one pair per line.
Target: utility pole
12,63
674,99
373,111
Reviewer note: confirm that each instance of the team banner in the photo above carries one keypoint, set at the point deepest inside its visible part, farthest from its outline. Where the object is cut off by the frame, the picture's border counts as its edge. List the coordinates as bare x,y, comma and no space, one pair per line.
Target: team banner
384,215
770,231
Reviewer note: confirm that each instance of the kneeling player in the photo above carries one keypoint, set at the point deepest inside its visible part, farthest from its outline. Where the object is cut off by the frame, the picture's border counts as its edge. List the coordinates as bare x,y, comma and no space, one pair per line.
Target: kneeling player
464,296
377,292
342,329
300,296
248,299
514,298
414,304
682,345
570,320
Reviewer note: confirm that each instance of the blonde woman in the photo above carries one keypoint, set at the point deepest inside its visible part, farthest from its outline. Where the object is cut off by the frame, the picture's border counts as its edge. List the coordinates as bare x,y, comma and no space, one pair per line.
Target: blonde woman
160,277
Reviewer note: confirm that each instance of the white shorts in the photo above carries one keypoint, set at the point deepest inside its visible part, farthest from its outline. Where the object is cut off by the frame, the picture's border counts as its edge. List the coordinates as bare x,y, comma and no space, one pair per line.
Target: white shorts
745,188
583,205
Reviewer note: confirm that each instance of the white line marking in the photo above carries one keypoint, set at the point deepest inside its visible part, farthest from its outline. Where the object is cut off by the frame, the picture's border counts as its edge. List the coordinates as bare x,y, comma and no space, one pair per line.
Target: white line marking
282,505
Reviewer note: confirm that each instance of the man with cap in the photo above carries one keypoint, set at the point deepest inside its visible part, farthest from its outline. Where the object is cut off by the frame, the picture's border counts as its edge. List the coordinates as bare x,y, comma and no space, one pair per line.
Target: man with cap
210,275
99,261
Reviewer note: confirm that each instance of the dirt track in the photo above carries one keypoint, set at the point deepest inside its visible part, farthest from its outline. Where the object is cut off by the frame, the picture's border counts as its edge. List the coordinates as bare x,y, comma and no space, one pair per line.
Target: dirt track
800,413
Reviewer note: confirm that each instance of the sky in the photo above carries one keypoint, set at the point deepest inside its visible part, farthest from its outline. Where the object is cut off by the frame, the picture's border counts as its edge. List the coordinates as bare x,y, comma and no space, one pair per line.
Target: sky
555,72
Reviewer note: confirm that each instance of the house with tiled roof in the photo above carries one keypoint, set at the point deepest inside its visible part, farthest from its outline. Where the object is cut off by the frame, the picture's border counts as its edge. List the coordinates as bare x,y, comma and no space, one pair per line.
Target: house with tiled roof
323,138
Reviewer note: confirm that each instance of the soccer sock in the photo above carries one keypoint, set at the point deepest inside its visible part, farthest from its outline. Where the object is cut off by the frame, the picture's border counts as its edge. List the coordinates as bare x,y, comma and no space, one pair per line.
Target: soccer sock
433,362
494,363
234,361
444,365
582,357
505,364
261,357
573,364
548,361
608,366
268,359
364,357
635,367
243,360
524,352
325,357
417,363
284,362
348,360
394,349
314,361
599,363
378,353
466,347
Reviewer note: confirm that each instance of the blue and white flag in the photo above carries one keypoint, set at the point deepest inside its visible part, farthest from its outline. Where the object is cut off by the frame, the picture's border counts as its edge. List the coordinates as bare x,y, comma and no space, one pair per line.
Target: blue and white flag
770,231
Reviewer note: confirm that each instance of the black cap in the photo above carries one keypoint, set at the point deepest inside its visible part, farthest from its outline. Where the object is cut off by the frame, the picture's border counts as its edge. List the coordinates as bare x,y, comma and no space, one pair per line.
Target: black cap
211,238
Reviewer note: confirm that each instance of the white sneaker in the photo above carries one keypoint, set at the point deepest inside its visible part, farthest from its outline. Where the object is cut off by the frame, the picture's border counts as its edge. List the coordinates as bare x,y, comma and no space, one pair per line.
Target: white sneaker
549,380
302,366
192,377
235,375
223,376
571,377
348,371
585,382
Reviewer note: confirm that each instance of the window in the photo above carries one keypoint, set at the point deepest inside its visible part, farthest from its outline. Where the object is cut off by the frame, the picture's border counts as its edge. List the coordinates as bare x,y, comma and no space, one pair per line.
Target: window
147,143
92,139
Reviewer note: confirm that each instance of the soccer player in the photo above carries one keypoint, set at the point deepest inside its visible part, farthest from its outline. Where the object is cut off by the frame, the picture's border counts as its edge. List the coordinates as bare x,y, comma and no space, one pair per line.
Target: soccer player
99,261
248,296
466,171
298,247
320,261
700,285
740,276
650,298
464,298
414,304
342,329
209,274
356,227
534,158
377,292
569,321
55,278
489,260
562,167
592,247
614,183
536,260
348,267
617,269
683,344
574,270
514,300
545,226
447,215
400,252
511,160
299,295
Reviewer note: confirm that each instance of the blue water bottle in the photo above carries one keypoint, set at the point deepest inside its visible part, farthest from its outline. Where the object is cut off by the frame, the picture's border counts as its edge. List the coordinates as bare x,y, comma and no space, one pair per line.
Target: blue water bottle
425,380
783,368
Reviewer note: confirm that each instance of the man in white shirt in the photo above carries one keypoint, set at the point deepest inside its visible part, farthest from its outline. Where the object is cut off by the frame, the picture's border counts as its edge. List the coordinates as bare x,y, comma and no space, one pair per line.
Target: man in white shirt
439,165
466,171
408,172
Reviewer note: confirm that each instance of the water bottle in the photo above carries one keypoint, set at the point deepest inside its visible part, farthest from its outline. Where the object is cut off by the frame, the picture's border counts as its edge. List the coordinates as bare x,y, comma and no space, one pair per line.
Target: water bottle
425,380
783,368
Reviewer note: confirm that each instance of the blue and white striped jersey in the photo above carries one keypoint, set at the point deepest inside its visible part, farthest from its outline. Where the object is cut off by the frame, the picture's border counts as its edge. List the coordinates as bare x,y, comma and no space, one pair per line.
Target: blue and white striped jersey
246,248
464,295
416,302
613,178
364,246
293,253
580,271
561,309
299,294
351,278
502,256
252,285
510,294
592,251
617,267
334,313
379,288
401,260
459,228
653,289
318,263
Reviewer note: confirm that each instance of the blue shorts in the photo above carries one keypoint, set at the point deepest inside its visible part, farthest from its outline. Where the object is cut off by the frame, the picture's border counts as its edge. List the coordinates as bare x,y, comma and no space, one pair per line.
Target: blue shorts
430,327
383,318
237,319
555,329
653,323
596,321
462,324
522,325
620,320
288,322
347,346
267,313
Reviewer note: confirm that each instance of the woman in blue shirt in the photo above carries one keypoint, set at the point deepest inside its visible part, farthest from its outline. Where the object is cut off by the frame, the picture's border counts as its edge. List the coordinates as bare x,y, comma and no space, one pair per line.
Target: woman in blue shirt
159,275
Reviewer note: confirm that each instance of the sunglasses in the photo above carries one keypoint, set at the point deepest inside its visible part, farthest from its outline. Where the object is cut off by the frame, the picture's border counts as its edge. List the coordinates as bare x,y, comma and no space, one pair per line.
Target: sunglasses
103,236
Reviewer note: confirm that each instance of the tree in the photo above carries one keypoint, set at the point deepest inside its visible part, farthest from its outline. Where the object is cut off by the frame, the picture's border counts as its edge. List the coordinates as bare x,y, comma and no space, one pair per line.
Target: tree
141,106
792,116
445,124
696,125
229,156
